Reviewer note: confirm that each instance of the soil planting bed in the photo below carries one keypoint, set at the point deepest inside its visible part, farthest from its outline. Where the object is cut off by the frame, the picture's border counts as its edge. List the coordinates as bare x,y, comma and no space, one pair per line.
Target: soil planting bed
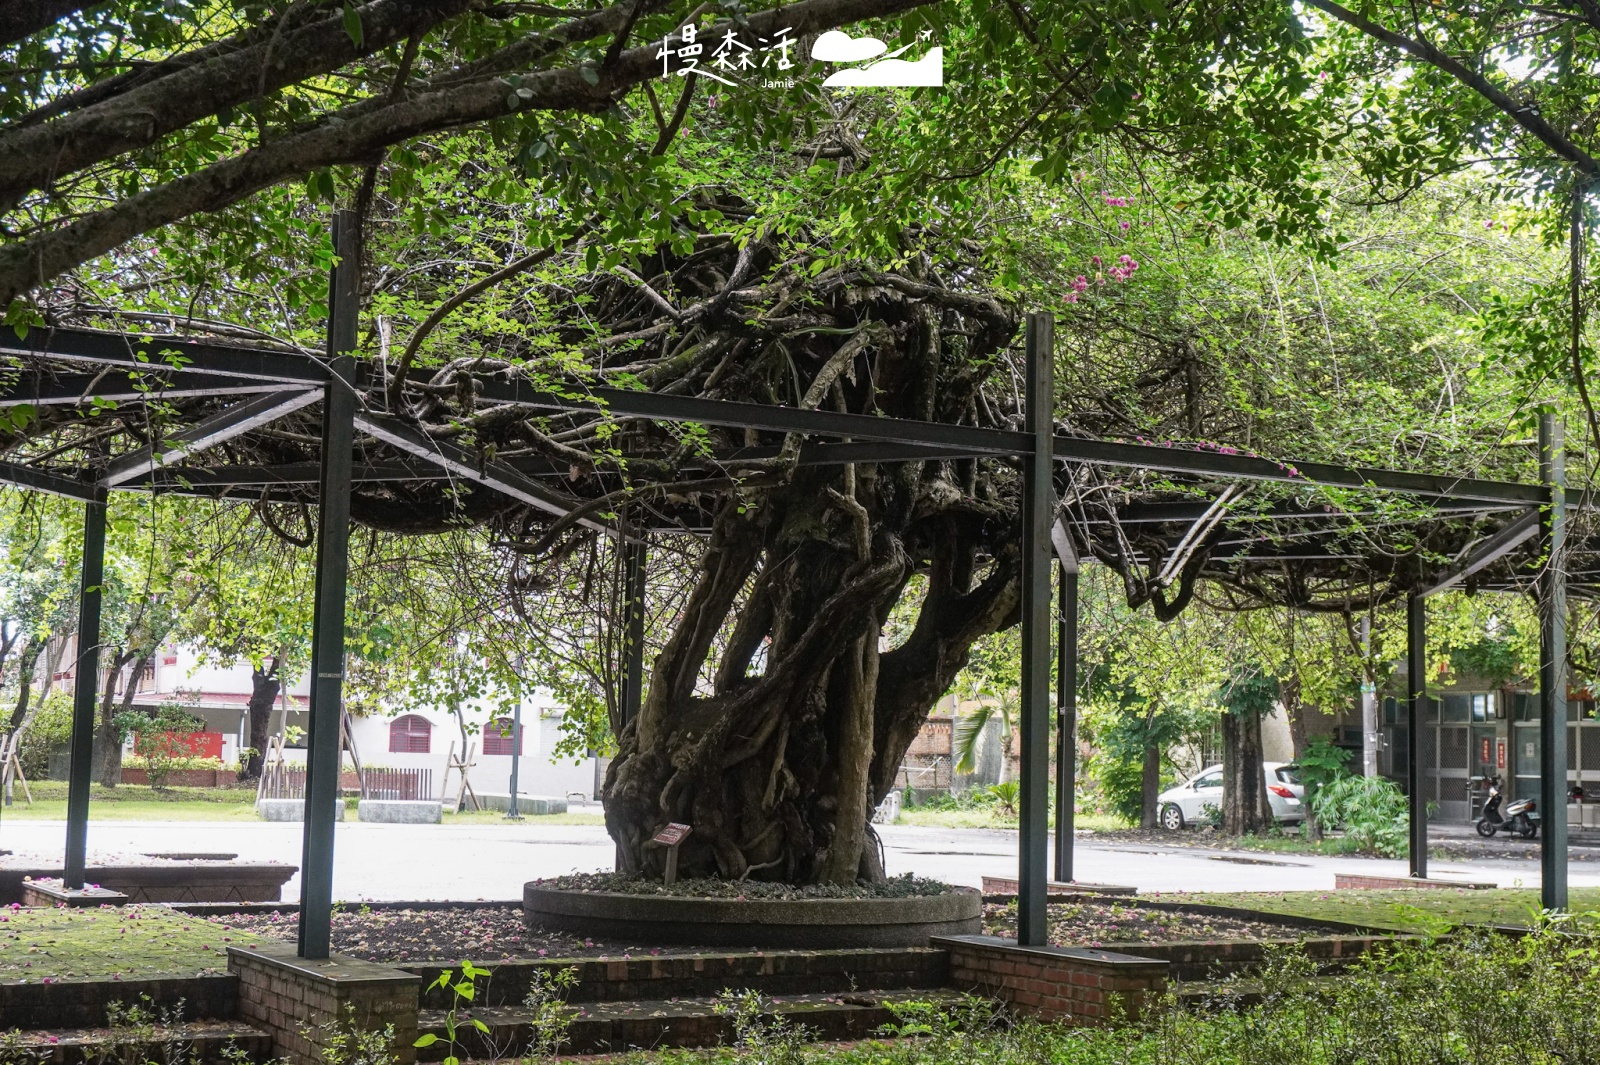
1092,924
446,933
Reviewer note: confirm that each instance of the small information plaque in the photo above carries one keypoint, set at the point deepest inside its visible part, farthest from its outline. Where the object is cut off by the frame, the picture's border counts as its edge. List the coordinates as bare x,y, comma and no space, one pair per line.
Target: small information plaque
670,837
673,834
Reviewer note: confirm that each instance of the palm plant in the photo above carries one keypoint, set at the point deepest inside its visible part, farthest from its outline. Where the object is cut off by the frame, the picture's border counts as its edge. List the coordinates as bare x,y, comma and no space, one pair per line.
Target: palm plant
969,728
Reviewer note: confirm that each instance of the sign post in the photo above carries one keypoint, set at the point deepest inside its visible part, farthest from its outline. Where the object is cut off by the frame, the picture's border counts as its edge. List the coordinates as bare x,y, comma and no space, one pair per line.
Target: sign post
672,837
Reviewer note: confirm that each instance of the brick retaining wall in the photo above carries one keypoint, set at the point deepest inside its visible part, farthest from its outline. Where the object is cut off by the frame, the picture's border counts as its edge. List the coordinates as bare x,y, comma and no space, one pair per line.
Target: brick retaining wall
1070,984
1213,959
1366,882
291,997
82,1003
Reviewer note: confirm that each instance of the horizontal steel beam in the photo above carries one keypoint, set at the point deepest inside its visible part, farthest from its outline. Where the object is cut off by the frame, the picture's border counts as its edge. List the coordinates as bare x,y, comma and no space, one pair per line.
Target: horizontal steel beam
1490,551
976,441
46,390
1253,468
288,474
467,466
1182,513
208,432
45,481
657,407
115,349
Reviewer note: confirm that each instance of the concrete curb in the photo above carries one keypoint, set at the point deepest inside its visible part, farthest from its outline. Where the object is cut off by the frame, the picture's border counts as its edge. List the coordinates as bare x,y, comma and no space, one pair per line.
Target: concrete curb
717,922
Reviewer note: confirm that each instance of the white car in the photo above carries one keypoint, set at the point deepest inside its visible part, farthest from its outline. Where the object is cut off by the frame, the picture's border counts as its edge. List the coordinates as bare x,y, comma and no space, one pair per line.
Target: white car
1186,804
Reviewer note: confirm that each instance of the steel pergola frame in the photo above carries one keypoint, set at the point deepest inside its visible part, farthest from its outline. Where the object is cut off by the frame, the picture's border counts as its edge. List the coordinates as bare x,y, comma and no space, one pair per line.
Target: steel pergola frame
268,384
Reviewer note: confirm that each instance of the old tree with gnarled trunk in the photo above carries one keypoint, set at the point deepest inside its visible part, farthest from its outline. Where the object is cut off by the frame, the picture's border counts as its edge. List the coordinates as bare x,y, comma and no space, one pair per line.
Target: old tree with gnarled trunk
540,199
777,742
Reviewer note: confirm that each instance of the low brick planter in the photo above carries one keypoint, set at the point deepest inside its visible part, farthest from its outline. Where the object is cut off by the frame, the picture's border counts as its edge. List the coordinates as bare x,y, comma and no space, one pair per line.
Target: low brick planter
184,778
805,923
168,881
1367,882
292,998
1069,984
1007,885
52,893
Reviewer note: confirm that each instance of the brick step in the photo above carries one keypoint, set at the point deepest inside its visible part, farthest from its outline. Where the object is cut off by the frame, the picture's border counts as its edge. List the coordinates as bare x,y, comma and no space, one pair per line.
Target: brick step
1211,996
610,1027
1200,961
781,973
196,1043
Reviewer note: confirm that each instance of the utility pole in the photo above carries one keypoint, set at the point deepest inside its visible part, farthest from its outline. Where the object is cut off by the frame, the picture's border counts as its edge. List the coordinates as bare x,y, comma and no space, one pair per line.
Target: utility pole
1371,732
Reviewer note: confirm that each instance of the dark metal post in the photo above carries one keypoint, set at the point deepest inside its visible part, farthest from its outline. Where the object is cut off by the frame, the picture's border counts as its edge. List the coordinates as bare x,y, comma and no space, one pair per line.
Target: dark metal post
1416,702
1066,721
633,579
512,813
1038,512
85,688
327,636
1553,672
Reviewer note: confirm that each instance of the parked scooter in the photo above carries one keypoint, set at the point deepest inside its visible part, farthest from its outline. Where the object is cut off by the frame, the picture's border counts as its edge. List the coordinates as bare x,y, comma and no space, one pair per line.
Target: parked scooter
1519,818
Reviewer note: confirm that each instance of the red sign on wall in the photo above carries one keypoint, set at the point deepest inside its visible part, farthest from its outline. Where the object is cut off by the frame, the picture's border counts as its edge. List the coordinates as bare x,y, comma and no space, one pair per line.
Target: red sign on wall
1483,751
198,744
1500,754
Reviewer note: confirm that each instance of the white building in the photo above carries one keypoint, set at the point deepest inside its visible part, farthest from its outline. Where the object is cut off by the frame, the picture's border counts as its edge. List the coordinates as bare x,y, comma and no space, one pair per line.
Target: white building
411,739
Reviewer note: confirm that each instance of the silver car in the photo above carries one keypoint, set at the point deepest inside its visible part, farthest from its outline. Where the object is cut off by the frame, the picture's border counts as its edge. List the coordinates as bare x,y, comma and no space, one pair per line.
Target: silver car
1186,804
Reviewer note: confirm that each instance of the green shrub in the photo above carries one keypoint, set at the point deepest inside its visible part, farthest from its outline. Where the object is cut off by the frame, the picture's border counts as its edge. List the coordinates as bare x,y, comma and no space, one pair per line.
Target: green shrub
1371,810
51,731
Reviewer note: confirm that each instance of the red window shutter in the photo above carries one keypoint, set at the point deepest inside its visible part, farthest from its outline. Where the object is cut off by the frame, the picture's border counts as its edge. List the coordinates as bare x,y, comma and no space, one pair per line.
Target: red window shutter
410,735
498,738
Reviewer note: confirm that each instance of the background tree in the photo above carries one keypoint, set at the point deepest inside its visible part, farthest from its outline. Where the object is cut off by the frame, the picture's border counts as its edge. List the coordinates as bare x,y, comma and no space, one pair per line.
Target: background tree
1247,697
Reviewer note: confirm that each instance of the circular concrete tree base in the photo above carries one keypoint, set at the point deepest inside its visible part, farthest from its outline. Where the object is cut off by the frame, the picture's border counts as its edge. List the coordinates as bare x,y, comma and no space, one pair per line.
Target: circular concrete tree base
811,924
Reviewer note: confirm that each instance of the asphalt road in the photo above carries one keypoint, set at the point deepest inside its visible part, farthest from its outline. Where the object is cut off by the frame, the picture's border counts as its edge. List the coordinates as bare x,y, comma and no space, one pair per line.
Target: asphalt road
491,861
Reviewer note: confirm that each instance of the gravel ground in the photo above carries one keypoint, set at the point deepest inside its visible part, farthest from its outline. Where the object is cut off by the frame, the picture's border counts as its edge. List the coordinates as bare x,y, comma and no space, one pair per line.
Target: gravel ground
485,935
1094,924
447,934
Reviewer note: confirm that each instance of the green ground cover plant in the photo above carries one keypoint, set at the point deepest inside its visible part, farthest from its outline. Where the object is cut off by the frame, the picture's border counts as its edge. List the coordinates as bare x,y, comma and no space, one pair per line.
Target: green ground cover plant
1404,909
123,943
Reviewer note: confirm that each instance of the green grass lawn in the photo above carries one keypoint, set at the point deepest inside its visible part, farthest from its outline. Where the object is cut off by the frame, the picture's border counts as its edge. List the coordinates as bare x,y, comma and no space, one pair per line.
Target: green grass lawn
124,943
1406,909
138,802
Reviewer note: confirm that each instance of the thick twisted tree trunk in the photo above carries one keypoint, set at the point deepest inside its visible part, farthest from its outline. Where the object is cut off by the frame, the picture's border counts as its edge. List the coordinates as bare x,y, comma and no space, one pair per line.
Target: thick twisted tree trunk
779,773
776,717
